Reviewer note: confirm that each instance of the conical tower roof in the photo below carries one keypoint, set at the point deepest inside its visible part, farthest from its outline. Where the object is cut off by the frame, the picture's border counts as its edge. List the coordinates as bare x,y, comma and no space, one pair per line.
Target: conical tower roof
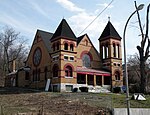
64,30
109,31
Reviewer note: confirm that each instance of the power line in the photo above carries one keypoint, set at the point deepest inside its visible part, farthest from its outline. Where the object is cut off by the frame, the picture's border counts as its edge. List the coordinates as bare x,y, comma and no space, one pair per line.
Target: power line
97,16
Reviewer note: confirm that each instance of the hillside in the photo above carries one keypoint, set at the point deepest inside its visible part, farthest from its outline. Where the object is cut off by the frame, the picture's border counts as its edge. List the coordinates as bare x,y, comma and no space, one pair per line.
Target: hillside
15,101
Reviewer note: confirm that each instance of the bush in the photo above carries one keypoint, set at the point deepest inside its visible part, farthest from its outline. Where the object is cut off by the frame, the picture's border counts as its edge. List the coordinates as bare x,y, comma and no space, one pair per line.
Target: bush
134,88
84,89
116,89
75,90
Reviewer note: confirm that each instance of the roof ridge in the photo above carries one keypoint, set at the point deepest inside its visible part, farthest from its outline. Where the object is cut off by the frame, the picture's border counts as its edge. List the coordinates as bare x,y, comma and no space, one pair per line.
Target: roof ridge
109,31
44,31
64,30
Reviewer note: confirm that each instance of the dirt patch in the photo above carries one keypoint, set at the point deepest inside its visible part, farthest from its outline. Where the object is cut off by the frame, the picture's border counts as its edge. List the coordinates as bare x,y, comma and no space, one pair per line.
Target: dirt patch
51,104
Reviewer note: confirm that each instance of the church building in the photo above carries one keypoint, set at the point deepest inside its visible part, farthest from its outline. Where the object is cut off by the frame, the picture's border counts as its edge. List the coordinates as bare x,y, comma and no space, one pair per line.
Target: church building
70,62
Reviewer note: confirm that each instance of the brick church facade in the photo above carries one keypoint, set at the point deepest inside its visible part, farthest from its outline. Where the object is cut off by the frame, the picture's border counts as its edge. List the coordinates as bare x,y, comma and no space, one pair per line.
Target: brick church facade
71,62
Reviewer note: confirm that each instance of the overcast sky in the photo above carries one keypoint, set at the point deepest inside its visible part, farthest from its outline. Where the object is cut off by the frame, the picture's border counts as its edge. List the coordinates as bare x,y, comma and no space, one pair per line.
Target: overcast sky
26,16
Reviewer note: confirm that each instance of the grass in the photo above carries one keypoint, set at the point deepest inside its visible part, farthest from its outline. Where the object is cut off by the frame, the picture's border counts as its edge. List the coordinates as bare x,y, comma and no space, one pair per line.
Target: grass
119,101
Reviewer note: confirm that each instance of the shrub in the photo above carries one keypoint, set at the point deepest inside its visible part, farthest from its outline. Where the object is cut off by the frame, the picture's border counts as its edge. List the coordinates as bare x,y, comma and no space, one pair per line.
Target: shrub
84,89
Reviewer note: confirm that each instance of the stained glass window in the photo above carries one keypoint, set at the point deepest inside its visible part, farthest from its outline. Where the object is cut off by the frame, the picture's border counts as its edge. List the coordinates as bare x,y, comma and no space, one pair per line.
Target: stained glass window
86,60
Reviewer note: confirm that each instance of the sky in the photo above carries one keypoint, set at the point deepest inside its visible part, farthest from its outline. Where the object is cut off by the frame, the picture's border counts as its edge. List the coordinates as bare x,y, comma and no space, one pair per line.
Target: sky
26,16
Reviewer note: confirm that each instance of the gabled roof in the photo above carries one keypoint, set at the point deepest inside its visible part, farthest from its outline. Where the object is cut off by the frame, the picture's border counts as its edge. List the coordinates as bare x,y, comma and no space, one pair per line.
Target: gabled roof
64,30
45,36
110,31
80,38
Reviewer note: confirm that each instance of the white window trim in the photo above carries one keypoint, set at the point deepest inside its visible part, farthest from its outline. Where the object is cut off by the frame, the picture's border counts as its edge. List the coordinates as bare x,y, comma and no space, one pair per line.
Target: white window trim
68,58
66,55
54,77
68,76
54,57
72,57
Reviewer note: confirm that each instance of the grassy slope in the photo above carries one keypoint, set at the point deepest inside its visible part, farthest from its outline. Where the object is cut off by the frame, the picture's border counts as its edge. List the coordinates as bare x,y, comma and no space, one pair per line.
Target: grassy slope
33,101
119,101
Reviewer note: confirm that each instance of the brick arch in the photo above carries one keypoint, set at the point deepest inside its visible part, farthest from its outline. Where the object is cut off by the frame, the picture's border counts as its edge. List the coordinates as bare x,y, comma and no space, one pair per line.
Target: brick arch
102,44
107,43
66,45
68,64
114,42
118,44
72,44
58,42
88,53
65,42
58,45
53,44
40,49
117,72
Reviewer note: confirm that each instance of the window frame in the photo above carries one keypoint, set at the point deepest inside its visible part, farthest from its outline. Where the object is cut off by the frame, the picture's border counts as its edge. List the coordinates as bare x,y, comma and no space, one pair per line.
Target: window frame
66,46
117,76
84,63
71,47
68,72
55,71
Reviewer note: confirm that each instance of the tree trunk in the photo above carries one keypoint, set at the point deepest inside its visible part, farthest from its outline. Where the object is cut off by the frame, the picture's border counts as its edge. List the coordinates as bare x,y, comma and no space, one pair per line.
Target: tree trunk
142,70
143,77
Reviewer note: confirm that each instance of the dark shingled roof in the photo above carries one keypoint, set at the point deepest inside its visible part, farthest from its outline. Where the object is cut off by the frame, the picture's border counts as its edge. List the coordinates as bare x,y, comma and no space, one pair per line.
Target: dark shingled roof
64,30
45,36
110,31
80,38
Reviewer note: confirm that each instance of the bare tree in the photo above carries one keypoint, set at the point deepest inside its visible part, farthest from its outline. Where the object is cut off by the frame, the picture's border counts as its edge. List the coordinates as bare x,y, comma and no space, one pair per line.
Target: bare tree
12,47
143,49
134,73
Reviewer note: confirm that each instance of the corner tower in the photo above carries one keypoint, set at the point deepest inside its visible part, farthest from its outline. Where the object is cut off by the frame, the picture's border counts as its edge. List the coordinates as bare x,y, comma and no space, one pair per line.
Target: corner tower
63,55
110,53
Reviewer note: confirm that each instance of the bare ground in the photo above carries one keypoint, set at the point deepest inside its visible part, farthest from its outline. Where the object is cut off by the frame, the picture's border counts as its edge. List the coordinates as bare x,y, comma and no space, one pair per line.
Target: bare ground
15,101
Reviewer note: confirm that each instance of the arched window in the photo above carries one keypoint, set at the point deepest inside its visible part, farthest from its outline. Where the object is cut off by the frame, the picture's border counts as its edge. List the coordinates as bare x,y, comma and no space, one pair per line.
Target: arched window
71,47
27,75
117,75
55,71
66,46
38,75
57,45
86,42
118,51
107,50
45,71
54,47
68,71
86,60
103,52
34,75
114,49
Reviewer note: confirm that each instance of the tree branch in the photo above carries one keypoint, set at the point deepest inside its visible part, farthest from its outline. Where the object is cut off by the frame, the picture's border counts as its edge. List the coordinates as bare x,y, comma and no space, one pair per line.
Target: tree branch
140,50
147,49
140,25
147,22
148,56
